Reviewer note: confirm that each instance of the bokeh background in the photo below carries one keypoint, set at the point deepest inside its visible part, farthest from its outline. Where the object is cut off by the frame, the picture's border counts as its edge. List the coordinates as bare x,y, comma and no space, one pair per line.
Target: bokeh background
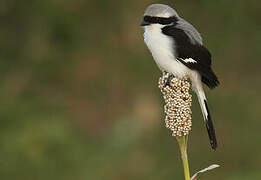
79,95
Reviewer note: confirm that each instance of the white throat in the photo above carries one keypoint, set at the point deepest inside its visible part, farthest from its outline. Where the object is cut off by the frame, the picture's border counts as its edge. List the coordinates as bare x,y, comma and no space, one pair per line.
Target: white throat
161,47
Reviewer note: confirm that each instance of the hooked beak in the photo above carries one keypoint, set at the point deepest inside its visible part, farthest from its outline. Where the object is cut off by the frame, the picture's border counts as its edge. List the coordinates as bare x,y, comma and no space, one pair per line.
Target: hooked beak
144,23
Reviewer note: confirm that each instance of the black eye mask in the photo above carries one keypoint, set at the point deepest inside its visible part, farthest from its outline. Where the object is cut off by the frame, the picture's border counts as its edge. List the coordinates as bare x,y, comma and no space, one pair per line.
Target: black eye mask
159,20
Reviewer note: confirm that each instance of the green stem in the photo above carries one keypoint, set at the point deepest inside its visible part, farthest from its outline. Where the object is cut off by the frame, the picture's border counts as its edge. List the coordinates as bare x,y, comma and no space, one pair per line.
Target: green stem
183,149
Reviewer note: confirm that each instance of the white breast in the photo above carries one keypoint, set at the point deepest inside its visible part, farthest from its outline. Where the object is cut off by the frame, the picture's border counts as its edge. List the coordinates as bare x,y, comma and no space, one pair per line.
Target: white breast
161,47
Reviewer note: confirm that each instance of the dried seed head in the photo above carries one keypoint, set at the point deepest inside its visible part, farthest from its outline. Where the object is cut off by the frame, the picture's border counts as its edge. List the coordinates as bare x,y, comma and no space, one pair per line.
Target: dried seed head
178,102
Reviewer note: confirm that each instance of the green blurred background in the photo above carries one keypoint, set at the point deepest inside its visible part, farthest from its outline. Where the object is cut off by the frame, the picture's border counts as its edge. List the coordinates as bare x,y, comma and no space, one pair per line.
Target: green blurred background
79,95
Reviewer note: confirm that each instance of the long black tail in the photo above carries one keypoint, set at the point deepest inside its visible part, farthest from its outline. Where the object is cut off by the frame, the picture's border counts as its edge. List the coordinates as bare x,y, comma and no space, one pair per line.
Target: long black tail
206,115
210,129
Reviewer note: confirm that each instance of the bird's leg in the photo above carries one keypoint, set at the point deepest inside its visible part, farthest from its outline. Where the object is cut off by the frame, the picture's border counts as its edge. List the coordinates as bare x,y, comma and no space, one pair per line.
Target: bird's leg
169,80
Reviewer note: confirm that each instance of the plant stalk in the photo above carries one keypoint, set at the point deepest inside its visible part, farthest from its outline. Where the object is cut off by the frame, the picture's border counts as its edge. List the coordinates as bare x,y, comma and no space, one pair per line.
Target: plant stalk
183,149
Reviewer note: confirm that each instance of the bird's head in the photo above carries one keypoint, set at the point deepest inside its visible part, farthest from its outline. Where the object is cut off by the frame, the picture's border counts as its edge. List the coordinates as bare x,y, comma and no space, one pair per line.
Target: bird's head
160,14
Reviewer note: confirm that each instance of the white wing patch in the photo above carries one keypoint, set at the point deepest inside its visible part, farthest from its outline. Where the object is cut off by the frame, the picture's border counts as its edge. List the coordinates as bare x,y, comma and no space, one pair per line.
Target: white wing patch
189,60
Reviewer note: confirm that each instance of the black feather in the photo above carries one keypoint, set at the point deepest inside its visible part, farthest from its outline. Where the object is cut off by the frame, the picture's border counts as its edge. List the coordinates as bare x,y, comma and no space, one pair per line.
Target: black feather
210,129
184,48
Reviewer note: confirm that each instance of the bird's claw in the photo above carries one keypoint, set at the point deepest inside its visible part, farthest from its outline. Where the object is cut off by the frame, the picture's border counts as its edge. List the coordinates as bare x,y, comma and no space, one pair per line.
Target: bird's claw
169,80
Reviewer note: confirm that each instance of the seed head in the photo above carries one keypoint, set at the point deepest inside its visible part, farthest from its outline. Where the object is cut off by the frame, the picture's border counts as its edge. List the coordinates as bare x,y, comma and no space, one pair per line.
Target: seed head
177,103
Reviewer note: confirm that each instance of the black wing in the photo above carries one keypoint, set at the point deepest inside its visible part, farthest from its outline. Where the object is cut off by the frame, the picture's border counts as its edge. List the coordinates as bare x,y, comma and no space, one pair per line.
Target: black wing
185,49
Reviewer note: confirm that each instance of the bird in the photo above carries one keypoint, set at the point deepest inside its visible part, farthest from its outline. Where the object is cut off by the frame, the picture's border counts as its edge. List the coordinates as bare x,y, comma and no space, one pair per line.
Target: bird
177,47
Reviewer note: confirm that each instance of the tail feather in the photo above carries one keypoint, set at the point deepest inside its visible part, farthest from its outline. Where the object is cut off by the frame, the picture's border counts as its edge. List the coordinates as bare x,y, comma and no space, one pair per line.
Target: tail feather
210,128
207,118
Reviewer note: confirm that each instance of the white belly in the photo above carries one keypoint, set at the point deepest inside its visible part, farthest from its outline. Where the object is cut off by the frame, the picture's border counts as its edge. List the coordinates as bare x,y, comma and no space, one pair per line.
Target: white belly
161,47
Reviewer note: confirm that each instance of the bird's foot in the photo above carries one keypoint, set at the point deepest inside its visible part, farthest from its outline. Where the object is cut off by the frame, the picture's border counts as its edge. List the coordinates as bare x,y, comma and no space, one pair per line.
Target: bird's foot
171,76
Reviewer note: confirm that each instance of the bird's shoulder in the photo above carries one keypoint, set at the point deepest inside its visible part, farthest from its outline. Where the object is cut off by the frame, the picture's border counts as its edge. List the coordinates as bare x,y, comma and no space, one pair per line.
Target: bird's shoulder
185,48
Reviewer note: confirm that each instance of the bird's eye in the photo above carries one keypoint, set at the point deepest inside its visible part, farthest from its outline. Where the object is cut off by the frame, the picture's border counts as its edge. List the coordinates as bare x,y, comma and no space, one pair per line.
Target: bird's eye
159,20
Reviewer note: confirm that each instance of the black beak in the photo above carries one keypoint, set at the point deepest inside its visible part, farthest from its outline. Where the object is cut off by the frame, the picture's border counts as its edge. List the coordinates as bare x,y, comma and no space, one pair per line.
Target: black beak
144,23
